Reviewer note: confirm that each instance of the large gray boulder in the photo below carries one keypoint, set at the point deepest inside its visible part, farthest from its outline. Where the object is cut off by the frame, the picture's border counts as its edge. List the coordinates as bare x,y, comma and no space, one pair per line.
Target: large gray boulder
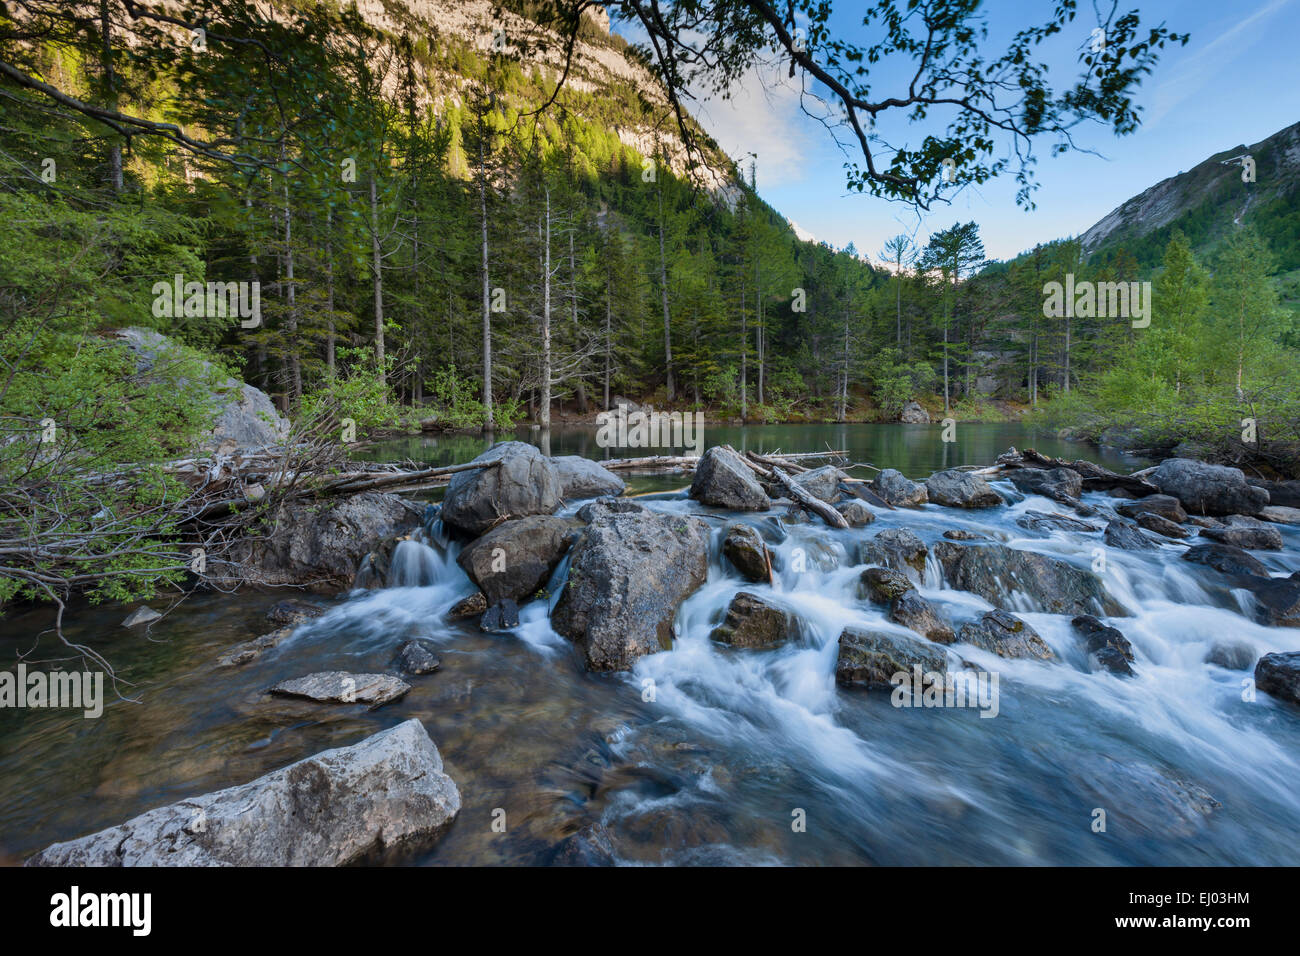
628,575
1226,559
246,419
913,414
1125,534
961,489
516,558
583,478
1279,675
899,490
1208,489
871,658
311,544
1000,575
822,483
896,548
1244,532
1006,636
723,480
744,548
1059,484
1166,506
375,800
524,483
753,622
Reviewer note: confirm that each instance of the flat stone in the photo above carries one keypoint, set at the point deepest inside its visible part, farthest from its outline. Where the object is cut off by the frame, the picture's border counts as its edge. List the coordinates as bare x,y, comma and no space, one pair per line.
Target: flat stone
341,687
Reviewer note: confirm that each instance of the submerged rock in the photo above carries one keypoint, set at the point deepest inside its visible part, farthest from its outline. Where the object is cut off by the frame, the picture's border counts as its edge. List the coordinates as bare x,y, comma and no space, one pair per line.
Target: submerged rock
1277,600
141,615
899,490
249,651
896,548
998,573
1231,655
744,548
1208,489
1279,675
753,622
1038,521
628,575
292,612
723,480
515,559
872,658
373,801
1226,559
856,513
341,687
583,478
961,489
524,483
415,657
1006,636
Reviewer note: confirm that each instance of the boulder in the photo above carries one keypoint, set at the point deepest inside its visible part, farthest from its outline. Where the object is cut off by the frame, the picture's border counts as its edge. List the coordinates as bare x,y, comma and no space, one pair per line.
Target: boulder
246,419
744,548
315,544
1006,636
1279,675
1241,532
500,617
753,622
525,482
1161,525
1106,646
416,657
961,534
913,414
1277,600
341,687
723,480
896,548
621,506
248,651
1283,493
471,606
923,616
1208,489
855,513
292,612
1123,533
961,489
374,801
882,585
515,559
1163,505
1280,514
628,575
1226,559
822,483
1059,484
999,574
583,478
898,490
872,658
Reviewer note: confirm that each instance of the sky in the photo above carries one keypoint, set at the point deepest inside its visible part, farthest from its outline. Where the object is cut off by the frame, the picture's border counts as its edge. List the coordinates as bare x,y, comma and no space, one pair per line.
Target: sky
1237,81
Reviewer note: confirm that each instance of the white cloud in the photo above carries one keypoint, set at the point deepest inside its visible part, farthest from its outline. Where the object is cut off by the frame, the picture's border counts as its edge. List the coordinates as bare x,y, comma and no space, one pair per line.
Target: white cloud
801,232
762,116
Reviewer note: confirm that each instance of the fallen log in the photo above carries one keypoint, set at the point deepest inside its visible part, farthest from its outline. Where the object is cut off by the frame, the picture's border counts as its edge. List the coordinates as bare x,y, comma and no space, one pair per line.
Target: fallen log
815,505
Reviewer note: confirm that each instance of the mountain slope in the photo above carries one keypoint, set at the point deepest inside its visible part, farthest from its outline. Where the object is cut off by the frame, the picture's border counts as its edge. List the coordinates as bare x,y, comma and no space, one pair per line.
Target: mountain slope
1207,200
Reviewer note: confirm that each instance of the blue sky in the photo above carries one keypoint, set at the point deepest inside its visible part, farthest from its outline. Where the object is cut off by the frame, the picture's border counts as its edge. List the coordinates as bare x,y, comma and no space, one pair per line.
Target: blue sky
1236,82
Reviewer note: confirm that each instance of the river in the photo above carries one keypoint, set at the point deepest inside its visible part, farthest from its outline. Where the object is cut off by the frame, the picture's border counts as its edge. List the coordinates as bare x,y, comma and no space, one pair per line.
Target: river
741,756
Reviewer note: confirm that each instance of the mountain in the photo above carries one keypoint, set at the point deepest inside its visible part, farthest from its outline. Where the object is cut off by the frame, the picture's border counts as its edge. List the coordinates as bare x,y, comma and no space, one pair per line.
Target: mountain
1206,201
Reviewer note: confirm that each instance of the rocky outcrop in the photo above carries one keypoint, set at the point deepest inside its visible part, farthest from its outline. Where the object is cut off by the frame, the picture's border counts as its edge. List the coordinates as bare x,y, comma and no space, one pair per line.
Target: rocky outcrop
961,489
523,483
374,801
1226,559
1279,675
914,414
1208,489
870,659
744,548
753,622
896,548
246,419
583,478
341,687
1006,636
723,480
999,574
1107,647
311,544
628,575
899,490
515,559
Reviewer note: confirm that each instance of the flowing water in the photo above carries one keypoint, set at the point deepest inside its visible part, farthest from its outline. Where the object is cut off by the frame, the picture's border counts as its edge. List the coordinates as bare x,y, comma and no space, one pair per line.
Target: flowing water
741,756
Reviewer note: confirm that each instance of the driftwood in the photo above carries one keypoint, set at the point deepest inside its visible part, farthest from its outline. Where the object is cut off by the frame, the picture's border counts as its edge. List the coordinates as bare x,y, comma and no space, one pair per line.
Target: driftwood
815,505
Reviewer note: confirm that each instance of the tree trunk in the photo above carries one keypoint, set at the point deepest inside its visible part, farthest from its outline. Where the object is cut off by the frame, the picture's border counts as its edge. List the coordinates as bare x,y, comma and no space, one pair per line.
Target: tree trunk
663,288
377,267
110,84
544,411
487,296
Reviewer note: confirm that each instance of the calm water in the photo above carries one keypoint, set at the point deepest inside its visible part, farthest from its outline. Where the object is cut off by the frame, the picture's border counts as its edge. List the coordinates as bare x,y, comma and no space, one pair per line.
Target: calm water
735,742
